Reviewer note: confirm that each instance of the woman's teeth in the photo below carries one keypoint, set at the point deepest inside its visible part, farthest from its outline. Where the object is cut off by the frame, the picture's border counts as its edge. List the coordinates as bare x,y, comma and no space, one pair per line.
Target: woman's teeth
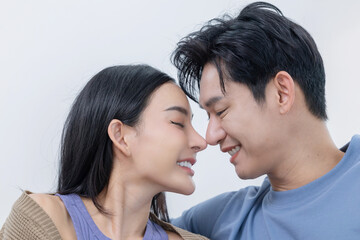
234,150
184,164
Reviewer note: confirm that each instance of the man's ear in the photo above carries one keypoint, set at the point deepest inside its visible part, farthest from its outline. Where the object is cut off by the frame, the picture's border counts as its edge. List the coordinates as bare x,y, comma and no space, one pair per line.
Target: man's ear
117,132
285,88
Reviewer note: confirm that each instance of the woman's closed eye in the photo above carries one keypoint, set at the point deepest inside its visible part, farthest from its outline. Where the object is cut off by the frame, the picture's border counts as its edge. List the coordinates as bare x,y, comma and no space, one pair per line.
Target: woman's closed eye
178,124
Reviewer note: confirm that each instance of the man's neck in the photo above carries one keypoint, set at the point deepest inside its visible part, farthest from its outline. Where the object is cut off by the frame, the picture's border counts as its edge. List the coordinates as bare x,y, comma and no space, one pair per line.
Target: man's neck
311,154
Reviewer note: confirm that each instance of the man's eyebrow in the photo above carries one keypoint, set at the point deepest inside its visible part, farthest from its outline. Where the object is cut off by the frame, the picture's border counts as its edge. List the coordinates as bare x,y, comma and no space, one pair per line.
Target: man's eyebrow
211,101
179,109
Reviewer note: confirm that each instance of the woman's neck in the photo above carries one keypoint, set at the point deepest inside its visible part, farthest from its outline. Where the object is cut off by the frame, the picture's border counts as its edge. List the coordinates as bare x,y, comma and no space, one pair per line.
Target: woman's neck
127,203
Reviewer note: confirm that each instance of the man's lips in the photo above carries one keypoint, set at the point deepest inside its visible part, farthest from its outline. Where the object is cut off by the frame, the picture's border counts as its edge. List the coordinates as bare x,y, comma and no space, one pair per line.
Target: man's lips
227,149
233,151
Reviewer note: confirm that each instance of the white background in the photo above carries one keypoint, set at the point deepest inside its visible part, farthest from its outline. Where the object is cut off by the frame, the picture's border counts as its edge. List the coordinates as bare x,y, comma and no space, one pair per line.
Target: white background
50,49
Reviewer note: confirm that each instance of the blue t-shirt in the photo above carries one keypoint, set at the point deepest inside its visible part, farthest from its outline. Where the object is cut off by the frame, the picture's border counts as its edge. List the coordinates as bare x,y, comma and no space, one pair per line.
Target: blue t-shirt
327,208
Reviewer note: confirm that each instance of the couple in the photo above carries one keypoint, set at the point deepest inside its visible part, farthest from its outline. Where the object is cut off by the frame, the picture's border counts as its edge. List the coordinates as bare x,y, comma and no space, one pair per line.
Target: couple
128,138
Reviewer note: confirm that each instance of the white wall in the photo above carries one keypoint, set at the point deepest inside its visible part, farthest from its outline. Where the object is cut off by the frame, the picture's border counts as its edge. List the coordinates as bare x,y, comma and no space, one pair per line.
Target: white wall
49,49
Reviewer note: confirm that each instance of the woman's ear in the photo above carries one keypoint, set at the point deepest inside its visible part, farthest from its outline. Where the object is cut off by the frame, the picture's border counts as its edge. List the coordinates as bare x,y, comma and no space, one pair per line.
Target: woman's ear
117,132
285,88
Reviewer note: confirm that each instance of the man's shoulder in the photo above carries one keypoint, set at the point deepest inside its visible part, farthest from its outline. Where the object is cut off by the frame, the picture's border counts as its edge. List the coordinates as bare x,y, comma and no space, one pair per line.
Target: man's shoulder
230,200
243,194
218,213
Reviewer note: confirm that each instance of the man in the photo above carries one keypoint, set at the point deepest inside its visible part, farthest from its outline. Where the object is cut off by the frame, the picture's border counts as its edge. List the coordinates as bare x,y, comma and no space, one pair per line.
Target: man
261,80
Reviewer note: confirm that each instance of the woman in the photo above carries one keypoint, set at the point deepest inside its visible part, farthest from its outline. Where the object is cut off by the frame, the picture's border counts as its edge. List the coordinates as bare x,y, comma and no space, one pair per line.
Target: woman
128,138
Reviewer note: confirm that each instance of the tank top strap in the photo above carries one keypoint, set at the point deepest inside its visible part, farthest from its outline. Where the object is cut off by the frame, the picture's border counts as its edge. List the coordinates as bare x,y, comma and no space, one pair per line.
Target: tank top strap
154,232
84,225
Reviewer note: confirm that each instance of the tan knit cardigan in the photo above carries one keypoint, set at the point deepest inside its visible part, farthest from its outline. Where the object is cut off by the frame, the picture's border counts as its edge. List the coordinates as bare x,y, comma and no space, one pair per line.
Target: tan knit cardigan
28,220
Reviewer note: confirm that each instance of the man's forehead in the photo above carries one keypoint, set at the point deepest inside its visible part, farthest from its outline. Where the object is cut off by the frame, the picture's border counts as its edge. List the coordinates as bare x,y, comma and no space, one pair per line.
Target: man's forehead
210,87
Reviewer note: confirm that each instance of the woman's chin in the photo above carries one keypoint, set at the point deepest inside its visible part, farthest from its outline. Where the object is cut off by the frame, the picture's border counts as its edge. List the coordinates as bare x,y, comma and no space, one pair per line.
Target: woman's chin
187,191
181,185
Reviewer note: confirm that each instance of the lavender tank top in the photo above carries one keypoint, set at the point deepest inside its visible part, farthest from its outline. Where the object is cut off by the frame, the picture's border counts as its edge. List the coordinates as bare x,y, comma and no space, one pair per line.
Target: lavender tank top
86,228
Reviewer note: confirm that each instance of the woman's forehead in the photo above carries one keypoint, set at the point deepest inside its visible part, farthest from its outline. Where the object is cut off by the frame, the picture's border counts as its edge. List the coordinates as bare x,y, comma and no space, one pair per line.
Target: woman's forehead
169,95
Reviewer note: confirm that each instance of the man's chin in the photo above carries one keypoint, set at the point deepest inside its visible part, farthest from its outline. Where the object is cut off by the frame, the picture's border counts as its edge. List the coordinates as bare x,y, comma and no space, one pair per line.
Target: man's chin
247,175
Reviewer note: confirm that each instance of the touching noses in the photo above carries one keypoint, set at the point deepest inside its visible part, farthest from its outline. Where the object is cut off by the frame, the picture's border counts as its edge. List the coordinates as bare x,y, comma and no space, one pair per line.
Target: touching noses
214,132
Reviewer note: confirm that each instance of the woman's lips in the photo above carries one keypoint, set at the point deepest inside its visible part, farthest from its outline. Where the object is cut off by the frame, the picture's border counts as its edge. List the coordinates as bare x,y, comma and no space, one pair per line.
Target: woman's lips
186,165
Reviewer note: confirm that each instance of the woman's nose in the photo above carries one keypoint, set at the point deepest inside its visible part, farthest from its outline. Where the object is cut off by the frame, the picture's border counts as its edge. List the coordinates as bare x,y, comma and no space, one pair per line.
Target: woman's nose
197,143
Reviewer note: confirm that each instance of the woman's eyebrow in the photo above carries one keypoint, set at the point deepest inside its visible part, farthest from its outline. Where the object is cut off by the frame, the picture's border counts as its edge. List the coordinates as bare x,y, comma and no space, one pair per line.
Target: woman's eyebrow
179,109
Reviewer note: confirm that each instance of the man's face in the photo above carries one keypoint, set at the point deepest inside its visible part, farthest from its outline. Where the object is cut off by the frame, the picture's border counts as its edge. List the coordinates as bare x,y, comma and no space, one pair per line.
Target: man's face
244,128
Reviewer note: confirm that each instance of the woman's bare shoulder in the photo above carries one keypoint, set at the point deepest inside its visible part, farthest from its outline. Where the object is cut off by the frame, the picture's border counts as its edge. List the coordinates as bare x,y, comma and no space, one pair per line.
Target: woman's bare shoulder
55,208
51,204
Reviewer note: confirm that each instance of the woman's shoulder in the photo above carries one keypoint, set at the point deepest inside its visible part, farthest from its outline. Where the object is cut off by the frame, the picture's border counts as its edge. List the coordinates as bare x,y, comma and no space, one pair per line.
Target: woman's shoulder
53,206
56,210
50,203
28,219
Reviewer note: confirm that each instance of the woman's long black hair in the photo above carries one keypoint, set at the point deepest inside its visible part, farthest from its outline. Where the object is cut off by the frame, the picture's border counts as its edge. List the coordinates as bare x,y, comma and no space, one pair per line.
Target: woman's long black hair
118,92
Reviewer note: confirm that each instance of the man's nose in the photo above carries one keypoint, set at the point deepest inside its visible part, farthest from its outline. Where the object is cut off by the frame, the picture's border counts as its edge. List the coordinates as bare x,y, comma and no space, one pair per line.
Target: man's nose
214,133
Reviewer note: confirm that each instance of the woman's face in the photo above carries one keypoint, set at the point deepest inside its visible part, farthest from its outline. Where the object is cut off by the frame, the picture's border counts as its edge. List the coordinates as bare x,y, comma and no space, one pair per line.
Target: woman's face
165,145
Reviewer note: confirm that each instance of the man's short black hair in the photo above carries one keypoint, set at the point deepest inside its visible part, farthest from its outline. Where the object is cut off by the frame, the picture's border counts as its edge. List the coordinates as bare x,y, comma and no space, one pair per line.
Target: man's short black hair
251,49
